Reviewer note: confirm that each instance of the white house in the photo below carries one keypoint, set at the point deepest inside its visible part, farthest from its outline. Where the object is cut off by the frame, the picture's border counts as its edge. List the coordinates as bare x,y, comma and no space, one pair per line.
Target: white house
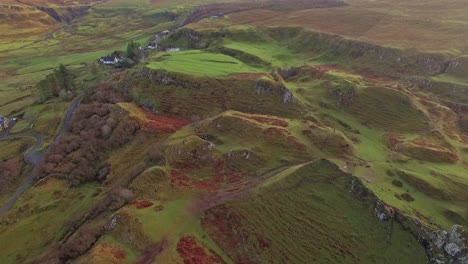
172,49
152,46
109,60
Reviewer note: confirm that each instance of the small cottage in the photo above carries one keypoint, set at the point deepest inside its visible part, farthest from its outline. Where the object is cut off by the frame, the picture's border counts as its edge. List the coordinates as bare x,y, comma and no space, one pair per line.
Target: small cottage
108,60
152,46
172,49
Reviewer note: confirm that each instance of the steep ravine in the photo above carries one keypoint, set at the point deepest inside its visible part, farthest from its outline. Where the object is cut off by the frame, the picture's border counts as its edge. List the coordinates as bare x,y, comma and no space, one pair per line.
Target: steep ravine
64,14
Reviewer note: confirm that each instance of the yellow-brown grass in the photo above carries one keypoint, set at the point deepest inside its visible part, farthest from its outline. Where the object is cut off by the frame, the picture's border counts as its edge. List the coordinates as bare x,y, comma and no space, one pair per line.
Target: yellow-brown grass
428,26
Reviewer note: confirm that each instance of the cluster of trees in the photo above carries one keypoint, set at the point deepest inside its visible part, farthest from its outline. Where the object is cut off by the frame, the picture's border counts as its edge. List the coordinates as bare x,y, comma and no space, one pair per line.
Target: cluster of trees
106,93
79,155
132,49
60,82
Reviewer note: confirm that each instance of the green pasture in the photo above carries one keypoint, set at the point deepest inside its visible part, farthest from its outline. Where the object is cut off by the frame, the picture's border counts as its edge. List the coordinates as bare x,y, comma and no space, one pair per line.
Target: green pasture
199,63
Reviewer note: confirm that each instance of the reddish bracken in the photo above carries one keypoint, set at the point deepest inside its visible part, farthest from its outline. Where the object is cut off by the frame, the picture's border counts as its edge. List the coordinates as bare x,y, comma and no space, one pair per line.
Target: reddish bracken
119,254
142,204
425,144
206,185
234,177
192,253
276,131
164,123
179,179
393,140
225,228
218,165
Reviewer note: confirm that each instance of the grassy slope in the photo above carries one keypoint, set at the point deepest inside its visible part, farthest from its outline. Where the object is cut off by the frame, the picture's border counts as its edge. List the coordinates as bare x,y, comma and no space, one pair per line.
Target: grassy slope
276,55
11,148
374,111
97,34
311,211
385,109
43,211
379,23
378,118
213,95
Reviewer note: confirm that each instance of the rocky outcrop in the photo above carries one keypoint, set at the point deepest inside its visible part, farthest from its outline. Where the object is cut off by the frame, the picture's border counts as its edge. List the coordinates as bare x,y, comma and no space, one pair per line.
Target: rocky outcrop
268,87
161,77
344,96
456,243
261,86
213,95
441,246
422,83
389,61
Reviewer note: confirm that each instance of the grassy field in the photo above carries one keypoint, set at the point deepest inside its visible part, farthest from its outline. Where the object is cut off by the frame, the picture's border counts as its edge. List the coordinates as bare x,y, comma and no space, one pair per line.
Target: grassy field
200,63
11,148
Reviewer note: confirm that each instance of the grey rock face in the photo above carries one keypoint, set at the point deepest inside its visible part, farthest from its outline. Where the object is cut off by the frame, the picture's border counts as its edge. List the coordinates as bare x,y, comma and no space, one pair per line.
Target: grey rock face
268,87
263,87
381,213
457,244
112,223
288,97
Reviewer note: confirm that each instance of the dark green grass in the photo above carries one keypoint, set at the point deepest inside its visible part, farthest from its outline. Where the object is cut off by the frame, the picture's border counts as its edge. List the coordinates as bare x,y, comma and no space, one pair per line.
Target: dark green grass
388,110
308,215
41,217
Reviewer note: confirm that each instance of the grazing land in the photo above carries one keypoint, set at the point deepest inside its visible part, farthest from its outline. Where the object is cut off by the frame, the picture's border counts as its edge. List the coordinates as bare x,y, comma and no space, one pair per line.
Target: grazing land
234,132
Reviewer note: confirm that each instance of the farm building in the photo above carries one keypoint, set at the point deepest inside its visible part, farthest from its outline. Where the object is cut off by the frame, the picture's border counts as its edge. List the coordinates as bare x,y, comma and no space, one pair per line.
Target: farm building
172,49
152,46
109,60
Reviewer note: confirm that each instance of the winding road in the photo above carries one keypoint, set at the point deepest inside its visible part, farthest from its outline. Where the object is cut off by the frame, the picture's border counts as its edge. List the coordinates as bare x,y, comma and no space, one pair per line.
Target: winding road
34,157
